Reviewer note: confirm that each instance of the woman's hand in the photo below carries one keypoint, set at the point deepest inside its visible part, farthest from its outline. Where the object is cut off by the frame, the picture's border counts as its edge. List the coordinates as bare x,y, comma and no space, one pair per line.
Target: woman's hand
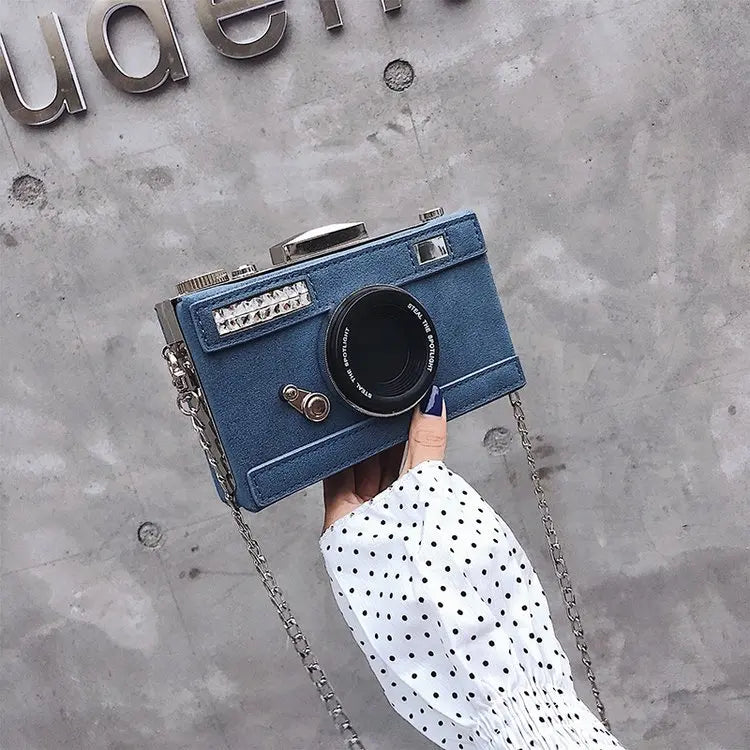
358,484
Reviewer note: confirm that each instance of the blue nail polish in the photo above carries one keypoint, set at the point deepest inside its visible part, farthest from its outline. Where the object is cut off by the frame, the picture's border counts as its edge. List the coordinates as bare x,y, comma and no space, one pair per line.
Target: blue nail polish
432,403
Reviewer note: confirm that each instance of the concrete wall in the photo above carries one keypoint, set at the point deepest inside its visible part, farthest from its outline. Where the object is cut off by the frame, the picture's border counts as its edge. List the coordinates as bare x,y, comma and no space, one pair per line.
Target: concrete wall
604,145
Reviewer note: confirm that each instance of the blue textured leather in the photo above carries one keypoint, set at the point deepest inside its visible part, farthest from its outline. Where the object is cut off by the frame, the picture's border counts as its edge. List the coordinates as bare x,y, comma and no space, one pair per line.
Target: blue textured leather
272,449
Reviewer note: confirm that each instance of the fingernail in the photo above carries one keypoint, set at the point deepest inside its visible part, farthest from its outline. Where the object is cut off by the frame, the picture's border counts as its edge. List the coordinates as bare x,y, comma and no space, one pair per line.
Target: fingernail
432,403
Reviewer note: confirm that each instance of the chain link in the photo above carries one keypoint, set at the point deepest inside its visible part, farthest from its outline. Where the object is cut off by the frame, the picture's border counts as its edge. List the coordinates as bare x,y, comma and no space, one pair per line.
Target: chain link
189,401
558,561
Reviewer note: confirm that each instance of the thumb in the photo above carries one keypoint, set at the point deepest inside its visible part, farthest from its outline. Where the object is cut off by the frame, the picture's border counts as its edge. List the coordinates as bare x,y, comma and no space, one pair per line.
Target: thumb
428,431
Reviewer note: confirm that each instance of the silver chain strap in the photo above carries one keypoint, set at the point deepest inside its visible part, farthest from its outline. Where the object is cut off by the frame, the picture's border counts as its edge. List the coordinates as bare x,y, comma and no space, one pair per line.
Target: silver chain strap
556,553
189,401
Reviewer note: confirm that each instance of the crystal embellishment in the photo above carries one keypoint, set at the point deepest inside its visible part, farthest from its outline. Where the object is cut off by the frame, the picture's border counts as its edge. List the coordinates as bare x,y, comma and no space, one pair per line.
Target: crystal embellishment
263,308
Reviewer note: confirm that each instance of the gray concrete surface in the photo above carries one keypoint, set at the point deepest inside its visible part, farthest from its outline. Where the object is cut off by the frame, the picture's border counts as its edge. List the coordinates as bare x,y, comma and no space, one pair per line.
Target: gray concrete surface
605,146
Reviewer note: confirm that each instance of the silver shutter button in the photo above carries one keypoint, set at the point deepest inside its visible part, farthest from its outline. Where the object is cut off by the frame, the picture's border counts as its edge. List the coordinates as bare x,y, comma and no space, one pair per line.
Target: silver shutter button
430,214
315,406
244,272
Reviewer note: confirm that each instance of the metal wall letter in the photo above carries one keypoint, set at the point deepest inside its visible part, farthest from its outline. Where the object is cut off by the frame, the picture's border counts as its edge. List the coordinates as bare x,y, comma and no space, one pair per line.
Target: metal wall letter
69,94
171,63
331,14
211,13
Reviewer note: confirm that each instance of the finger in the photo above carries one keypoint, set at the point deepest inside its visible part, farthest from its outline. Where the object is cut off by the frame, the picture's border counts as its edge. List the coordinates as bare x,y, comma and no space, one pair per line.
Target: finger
367,478
339,497
428,431
338,488
390,464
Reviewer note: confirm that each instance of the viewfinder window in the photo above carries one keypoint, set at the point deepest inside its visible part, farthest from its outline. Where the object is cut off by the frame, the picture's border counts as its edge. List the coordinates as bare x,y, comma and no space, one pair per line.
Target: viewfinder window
433,249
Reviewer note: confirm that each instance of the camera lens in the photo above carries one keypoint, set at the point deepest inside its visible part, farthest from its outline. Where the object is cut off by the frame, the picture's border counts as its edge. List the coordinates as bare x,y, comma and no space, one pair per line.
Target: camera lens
381,350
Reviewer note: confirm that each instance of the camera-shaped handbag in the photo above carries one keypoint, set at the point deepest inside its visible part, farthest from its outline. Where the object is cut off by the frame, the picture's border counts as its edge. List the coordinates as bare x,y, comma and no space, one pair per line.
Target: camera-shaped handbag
292,373
316,363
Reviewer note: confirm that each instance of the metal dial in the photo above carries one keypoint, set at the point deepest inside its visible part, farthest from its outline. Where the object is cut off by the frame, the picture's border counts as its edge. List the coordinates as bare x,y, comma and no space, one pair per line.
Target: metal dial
203,281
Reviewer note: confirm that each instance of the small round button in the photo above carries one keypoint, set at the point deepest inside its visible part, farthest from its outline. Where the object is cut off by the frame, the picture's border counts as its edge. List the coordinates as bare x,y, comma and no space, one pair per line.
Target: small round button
316,407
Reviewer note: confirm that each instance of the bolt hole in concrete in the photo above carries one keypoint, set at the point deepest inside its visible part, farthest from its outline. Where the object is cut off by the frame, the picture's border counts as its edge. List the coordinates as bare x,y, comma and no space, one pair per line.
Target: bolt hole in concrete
7,238
28,190
497,441
398,75
150,534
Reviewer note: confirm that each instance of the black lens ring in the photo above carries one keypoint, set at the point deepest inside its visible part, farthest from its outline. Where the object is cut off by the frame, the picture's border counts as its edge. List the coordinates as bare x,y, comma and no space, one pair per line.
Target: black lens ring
424,352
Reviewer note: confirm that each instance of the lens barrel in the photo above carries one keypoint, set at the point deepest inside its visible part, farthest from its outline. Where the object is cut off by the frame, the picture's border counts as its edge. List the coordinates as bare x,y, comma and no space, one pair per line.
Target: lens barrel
381,350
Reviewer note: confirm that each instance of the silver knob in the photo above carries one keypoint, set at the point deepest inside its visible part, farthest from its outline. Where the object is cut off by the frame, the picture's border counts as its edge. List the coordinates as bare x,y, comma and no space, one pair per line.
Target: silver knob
244,272
203,281
430,214
318,241
315,406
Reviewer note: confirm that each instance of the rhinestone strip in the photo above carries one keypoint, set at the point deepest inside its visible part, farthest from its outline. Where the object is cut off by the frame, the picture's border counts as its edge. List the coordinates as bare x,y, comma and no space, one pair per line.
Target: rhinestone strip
261,309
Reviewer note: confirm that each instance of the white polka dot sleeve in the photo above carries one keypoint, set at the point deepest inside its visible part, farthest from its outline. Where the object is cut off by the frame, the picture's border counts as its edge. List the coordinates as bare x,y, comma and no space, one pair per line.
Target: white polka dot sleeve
452,619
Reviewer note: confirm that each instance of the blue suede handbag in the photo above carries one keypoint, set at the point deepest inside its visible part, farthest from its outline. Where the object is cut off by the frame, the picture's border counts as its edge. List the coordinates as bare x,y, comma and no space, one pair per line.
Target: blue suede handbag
273,449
